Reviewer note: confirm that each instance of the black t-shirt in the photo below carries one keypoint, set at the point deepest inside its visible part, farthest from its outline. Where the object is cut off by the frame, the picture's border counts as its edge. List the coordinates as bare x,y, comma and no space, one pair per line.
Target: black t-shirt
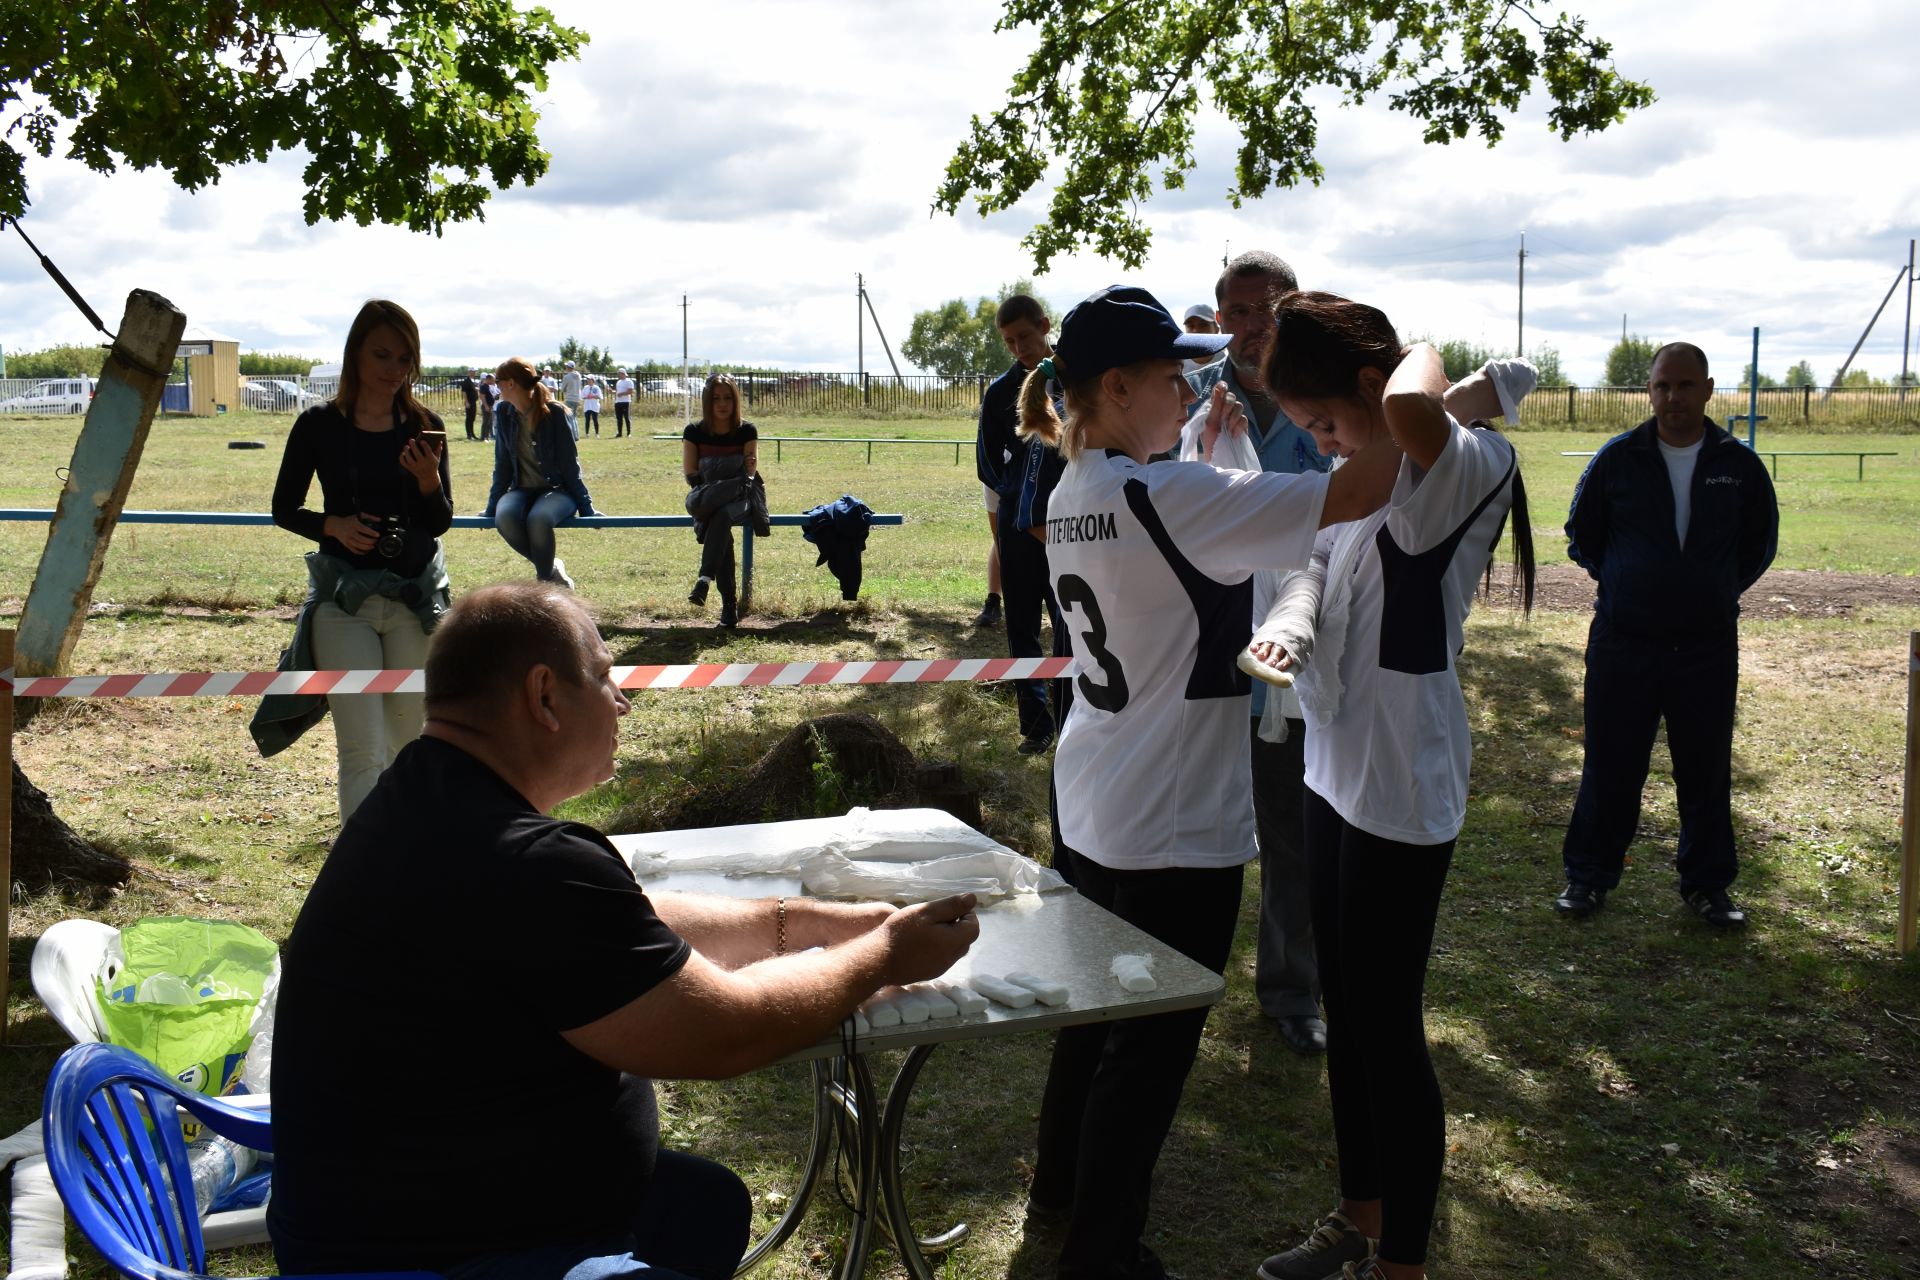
712,444
360,471
426,1108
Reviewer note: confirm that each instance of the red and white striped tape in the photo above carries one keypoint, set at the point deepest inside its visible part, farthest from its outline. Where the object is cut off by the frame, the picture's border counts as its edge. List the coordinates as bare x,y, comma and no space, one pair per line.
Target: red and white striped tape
704,675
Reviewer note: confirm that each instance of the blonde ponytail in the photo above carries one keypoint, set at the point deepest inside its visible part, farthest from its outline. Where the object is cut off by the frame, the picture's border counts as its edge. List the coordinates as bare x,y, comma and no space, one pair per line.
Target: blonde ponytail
1039,420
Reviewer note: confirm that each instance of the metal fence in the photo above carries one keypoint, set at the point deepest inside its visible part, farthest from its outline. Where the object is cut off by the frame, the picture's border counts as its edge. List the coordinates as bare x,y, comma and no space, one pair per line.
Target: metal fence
853,395
1784,408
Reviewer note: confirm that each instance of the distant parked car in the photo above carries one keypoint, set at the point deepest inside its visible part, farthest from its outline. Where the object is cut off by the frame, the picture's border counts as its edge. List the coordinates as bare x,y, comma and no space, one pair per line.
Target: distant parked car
277,395
57,395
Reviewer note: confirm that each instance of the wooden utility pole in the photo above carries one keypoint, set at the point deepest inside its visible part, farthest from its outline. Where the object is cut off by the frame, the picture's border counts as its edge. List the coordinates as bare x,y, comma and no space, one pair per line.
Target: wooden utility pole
98,478
6,824
1910,813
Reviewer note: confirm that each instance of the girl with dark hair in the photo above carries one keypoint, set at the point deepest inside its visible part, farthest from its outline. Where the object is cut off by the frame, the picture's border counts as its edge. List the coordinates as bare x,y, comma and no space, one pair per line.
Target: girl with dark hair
378,582
1152,568
536,470
1387,754
720,459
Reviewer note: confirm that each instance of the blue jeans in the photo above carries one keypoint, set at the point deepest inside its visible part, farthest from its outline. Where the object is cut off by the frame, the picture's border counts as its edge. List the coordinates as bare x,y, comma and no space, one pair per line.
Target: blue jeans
526,518
694,1220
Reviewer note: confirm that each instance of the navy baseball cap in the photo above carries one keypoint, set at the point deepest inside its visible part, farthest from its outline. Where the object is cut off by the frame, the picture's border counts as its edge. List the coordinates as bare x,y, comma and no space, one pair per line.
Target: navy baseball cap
1121,325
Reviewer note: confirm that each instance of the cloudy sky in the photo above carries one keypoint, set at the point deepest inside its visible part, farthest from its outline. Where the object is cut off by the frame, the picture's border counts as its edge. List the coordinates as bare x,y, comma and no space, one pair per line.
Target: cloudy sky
754,155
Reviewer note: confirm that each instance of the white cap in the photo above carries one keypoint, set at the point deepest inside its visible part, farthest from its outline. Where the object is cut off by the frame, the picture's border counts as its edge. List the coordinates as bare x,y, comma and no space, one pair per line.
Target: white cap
569,364
1199,311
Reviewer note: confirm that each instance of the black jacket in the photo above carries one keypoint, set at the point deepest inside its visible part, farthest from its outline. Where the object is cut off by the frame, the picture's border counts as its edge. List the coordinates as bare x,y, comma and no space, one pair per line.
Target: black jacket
1621,531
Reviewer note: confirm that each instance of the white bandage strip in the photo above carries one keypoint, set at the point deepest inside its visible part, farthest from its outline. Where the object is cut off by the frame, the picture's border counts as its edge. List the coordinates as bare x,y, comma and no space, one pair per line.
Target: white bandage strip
1046,990
912,1005
860,1024
969,1000
882,1013
1001,992
936,999
1135,972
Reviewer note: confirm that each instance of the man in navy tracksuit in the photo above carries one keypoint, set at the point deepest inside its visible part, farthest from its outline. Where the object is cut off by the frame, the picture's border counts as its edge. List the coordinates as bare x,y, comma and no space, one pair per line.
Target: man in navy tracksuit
1674,519
1023,474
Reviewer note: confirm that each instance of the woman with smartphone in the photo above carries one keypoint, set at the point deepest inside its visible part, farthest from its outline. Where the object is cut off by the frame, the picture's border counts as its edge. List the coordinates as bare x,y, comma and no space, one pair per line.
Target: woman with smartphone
377,583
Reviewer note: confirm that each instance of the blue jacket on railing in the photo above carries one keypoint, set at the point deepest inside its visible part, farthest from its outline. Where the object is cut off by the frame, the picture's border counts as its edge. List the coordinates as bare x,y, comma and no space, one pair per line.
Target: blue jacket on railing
1621,531
552,445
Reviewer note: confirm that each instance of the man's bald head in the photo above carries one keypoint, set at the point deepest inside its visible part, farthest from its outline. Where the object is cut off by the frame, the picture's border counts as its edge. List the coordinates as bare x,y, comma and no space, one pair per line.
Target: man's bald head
1686,349
482,649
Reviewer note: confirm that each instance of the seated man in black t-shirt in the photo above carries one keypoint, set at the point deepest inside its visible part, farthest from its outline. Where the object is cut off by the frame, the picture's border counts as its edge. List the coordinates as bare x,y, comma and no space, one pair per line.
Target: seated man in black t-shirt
475,996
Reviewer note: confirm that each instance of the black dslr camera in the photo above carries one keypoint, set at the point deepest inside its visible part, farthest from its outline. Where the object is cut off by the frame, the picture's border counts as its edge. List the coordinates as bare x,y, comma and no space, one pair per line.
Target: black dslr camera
392,538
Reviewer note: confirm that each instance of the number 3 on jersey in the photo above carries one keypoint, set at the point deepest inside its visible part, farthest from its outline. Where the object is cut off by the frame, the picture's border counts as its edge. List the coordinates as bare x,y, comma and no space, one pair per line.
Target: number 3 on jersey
1110,695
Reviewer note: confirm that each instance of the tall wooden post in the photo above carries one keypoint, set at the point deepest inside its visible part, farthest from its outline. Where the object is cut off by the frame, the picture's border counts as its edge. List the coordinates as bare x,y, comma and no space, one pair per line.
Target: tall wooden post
6,825
1910,812
104,459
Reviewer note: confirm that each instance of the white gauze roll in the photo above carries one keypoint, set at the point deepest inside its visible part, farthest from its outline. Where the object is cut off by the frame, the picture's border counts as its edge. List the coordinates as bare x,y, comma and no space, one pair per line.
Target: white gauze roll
912,1005
936,999
969,1001
1001,992
860,1024
882,1012
1135,972
1045,990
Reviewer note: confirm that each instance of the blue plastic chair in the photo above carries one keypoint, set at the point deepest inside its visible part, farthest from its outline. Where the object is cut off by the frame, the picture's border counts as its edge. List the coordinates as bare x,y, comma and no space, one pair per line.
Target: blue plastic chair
125,1180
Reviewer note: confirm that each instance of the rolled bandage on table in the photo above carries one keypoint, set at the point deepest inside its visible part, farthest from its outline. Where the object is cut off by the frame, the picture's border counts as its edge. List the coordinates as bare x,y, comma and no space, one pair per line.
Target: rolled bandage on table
860,1024
1046,990
912,1005
1001,992
882,1013
1135,972
937,1000
969,1000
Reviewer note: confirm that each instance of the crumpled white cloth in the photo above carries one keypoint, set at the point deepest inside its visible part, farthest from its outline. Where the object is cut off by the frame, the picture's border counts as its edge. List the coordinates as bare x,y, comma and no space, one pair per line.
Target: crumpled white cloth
38,1249
900,855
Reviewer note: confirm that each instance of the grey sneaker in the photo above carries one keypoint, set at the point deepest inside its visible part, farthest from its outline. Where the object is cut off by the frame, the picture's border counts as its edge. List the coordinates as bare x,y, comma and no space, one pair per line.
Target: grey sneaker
1334,1241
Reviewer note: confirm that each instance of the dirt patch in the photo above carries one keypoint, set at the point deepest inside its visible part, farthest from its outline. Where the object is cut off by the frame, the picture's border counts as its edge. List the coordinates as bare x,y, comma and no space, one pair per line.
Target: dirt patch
1780,593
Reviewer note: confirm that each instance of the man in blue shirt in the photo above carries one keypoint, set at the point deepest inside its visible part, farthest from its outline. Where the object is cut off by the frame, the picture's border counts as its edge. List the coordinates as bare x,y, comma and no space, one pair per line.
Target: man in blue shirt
1286,975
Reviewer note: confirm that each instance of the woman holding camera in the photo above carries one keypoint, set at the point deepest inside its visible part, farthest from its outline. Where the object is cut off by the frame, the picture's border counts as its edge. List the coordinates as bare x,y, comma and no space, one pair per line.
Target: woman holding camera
536,470
378,582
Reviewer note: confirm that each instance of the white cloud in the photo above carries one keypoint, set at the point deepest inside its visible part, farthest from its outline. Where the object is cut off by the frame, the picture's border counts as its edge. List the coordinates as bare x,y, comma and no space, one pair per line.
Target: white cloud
755,155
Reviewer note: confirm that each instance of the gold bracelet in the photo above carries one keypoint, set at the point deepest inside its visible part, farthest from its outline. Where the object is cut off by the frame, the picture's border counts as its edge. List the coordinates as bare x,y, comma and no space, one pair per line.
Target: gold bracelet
779,926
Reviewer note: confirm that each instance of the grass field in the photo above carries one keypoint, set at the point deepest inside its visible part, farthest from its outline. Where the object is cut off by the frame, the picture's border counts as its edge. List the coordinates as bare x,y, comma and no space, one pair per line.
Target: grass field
1628,1098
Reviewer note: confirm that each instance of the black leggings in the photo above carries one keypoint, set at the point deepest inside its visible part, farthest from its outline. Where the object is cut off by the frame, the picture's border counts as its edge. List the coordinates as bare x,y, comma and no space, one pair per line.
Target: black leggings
622,422
1374,904
1113,1087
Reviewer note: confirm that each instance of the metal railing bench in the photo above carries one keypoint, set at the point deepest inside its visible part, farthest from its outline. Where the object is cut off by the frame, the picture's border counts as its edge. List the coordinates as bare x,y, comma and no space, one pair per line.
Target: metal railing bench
470,522
1859,456
868,441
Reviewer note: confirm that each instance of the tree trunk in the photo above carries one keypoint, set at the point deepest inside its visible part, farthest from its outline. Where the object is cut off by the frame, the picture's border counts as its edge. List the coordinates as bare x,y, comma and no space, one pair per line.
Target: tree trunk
47,852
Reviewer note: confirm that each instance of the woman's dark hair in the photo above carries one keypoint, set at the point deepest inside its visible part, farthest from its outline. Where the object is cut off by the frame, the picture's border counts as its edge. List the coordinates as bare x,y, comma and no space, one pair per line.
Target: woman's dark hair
1522,536
1321,342
713,383
376,312
520,369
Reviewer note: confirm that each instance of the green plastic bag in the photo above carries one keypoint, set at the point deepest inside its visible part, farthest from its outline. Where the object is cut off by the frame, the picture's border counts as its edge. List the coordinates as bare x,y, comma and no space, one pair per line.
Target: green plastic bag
183,996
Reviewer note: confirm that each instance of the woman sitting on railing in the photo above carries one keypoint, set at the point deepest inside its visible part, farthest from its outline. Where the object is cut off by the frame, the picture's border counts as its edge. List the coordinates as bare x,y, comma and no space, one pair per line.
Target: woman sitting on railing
719,455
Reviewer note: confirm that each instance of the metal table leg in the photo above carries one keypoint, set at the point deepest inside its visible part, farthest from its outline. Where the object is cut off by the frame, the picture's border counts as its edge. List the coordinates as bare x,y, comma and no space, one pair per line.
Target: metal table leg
819,1151
912,1248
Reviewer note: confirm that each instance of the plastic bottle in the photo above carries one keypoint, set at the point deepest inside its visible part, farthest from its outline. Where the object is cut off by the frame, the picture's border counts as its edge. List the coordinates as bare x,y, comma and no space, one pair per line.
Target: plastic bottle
216,1164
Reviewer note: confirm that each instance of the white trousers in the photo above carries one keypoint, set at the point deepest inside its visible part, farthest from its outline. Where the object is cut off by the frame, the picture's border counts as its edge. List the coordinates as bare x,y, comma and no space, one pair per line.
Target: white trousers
369,728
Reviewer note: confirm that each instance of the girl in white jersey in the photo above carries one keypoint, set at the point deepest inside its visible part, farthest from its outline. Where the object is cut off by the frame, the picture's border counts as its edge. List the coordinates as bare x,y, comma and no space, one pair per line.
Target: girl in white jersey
1151,566
1387,756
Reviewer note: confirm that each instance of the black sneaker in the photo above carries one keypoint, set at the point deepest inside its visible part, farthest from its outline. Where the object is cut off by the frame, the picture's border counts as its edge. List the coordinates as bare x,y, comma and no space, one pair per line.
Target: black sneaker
1579,900
1334,1244
989,615
1716,908
699,593
1035,743
729,616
